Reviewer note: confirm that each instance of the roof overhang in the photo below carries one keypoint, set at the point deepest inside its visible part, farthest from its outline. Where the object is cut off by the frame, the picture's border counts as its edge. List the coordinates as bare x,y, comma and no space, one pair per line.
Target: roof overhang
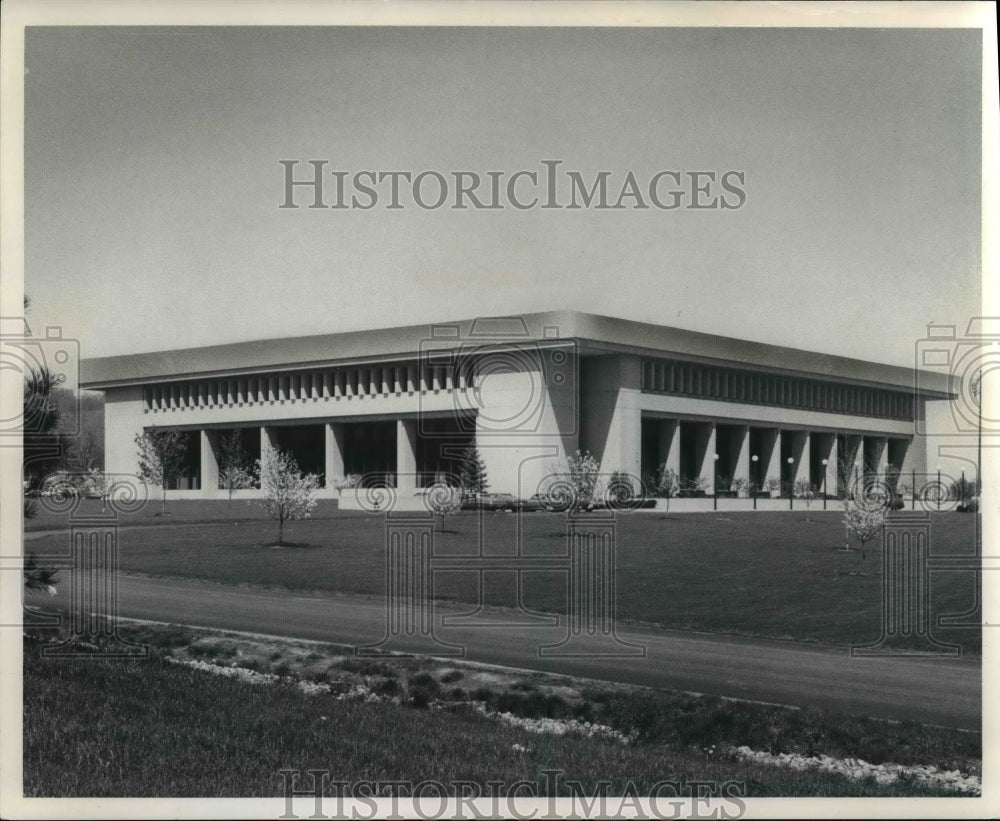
591,334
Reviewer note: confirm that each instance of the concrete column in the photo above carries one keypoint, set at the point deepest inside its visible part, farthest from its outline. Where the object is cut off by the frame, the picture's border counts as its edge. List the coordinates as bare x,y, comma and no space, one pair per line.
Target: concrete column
670,445
800,451
875,456
882,463
914,458
209,462
406,456
706,450
611,418
856,460
333,454
741,445
268,440
832,460
770,456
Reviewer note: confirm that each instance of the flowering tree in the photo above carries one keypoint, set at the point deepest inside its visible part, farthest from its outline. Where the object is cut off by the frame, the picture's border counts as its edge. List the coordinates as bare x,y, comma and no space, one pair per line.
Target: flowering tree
864,522
234,472
287,493
161,457
351,480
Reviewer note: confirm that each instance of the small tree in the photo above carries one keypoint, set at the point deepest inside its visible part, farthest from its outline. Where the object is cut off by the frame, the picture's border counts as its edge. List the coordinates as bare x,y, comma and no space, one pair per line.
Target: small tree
472,475
864,523
667,485
805,490
161,457
845,478
287,493
772,484
98,484
582,475
234,471
443,500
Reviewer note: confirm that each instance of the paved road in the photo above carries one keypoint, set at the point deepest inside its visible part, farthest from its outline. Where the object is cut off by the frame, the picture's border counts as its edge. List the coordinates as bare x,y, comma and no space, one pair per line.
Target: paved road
936,691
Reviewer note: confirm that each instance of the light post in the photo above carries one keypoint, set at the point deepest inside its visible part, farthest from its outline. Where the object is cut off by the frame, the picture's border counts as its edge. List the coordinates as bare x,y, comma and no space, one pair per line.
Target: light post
753,485
715,483
825,463
939,488
791,483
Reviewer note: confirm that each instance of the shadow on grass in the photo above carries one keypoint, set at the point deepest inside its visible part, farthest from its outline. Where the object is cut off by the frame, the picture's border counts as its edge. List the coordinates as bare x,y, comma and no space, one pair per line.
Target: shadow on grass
284,545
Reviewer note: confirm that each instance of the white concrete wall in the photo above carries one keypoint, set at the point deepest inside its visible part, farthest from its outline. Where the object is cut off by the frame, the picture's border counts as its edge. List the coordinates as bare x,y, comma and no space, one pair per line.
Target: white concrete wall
123,421
527,420
611,411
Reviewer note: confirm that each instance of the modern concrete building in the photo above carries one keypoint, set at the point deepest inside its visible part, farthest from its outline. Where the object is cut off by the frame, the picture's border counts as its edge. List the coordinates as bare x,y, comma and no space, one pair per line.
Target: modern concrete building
403,403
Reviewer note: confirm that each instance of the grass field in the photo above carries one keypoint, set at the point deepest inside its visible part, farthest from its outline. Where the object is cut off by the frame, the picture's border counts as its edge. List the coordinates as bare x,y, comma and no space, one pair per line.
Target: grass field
767,574
97,727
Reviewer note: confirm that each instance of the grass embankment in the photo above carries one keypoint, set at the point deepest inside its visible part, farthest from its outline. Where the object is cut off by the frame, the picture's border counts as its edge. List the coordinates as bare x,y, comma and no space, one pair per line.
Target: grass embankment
152,728
772,574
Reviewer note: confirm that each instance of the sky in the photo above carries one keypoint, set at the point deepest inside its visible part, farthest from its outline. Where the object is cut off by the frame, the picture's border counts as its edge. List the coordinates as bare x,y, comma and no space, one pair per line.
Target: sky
153,181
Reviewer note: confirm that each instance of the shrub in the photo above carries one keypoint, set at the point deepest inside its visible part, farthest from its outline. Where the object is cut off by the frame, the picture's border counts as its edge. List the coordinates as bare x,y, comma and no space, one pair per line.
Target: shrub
351,480
740,486
423,689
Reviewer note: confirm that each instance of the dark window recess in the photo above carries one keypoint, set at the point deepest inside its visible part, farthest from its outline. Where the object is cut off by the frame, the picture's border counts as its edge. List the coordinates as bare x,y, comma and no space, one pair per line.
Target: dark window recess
735,385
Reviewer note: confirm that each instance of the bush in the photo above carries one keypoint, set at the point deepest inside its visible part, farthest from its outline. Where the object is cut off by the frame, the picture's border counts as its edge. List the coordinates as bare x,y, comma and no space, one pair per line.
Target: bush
424,689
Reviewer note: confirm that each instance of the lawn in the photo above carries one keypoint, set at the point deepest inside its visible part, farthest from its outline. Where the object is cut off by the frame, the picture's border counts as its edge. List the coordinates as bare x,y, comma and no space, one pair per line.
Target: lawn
769,574
96,727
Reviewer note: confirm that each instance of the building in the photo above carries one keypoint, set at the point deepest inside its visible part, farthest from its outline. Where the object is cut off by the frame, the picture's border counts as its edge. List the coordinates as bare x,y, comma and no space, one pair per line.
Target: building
399,405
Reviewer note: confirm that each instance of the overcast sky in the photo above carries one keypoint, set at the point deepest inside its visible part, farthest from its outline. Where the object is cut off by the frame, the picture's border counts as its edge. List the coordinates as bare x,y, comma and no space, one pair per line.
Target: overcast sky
153,180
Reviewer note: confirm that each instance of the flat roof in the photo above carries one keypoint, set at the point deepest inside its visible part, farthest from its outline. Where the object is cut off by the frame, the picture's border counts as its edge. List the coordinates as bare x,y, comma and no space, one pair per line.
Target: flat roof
593,334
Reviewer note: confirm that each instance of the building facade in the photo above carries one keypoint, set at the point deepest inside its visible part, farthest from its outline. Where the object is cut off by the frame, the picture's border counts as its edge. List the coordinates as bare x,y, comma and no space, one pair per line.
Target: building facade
399,406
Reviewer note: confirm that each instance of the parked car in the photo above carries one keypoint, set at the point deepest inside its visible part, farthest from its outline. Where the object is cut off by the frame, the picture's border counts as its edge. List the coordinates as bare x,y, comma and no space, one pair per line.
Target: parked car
491,501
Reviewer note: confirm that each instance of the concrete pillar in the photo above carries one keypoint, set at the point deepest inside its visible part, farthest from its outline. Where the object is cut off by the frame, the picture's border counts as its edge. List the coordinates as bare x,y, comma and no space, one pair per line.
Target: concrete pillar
706,451
333,453
770,456
741,445
268,441
803,471
670,445
882,449
832,460
855,461
875,455
209,462
406,456
611,418
914,459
